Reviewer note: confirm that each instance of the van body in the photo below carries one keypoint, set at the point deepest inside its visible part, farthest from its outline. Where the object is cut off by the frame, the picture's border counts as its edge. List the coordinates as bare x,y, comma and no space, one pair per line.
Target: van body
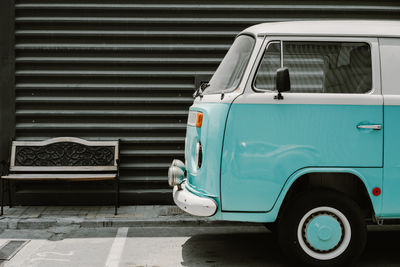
307,160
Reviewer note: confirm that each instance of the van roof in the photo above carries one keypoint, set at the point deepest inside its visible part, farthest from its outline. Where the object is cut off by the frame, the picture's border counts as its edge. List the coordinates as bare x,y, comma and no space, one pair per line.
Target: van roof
366,28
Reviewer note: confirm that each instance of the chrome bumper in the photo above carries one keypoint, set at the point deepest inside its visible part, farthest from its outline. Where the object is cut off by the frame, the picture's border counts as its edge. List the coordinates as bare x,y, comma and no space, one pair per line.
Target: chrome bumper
193,204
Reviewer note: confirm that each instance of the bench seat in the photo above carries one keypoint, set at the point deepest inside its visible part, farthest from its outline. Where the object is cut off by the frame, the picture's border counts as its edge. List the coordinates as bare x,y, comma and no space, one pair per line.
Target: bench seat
61,176
61,159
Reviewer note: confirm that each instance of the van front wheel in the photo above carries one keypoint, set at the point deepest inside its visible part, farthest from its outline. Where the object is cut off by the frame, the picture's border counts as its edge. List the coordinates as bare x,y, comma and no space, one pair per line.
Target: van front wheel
323,228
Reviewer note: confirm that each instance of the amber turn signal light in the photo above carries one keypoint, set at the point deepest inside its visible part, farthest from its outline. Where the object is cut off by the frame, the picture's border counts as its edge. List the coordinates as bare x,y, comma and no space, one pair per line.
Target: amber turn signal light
199,120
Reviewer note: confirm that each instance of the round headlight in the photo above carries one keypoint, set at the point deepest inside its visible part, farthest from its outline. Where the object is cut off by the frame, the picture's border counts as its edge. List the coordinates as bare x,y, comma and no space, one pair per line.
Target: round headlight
178,163
175,176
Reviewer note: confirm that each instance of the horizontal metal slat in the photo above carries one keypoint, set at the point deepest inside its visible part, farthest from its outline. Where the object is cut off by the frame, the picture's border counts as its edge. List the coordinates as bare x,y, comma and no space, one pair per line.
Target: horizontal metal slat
100,100
167,191
153,140
118,60
103,86
65,33
101,113
101,126
152,152
145,166
96,191
217,7
124,140
123,47
41,73
145,179
181,20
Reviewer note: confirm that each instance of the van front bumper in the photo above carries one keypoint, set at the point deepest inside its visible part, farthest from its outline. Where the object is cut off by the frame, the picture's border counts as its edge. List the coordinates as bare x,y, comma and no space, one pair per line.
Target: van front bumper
193,204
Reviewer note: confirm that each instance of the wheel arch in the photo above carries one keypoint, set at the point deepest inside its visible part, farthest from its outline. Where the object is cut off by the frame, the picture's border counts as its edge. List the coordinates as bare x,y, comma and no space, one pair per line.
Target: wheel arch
352,182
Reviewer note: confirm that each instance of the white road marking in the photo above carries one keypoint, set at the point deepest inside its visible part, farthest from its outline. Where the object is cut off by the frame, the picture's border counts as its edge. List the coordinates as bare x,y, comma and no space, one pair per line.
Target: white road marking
43,255
117,247
48,259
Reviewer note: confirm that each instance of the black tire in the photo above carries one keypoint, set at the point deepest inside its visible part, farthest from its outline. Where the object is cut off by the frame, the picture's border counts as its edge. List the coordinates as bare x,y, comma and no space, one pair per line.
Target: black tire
299,223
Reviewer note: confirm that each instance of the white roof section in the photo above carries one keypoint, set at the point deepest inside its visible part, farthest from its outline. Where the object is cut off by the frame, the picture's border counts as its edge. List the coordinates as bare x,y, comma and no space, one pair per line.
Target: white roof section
370,28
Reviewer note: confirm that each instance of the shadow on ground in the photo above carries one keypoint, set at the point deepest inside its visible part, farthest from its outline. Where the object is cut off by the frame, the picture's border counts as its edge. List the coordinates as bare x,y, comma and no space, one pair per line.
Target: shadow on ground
261,249
382,249
238,249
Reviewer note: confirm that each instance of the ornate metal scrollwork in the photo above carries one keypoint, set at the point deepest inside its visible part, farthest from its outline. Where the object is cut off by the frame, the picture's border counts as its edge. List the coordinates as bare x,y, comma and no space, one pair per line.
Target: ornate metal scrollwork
64,154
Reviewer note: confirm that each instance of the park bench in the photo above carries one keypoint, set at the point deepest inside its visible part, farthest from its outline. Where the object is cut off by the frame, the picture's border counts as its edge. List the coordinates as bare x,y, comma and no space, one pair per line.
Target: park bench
62,158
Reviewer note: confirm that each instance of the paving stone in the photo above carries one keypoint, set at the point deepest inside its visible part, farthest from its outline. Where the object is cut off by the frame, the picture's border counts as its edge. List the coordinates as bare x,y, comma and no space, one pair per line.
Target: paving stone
25,234
33,212
15,211
41,223
4,224
106,212
125,216
71,211
12,224
84,210
63,229
174,210
68,221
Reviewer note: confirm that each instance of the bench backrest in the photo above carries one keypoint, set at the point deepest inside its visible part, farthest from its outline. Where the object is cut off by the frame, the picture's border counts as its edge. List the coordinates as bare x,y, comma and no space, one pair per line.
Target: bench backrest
64,154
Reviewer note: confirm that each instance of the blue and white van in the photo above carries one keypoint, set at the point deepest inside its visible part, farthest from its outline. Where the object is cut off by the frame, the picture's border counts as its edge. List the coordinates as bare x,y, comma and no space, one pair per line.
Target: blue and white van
299,128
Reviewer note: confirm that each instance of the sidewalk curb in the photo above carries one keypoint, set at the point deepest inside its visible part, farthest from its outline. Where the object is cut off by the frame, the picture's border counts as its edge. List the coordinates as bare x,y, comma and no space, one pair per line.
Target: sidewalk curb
45,217
45,223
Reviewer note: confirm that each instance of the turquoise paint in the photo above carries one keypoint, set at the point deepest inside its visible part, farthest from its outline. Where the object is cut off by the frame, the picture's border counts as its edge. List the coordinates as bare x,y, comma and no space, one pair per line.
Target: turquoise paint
323,232
206,180
265,144
370,177
391,170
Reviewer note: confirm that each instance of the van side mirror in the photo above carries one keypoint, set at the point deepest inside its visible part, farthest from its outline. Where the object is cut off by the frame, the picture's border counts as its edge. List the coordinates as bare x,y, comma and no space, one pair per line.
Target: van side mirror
282,82
200,83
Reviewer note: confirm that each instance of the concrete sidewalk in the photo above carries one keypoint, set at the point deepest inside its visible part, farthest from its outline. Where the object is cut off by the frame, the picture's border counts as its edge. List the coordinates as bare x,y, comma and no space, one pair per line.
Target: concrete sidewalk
43,217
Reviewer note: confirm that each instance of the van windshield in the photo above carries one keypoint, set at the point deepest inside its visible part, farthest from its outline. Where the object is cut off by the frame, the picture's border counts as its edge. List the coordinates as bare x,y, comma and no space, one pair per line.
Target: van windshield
229,73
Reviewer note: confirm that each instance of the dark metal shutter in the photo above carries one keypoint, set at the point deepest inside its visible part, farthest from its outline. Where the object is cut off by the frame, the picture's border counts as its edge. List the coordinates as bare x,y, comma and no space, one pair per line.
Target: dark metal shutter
113,69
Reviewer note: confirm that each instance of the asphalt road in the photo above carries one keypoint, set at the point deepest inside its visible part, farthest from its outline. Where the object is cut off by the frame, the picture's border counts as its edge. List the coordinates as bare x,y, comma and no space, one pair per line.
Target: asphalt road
172,246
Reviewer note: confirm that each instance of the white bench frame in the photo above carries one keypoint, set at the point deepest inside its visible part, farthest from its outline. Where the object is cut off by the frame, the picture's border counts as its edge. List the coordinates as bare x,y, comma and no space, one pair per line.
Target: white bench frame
43,173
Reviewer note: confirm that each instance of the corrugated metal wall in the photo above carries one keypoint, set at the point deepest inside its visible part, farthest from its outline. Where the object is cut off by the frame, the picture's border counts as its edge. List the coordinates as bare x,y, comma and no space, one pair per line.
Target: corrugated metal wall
109,69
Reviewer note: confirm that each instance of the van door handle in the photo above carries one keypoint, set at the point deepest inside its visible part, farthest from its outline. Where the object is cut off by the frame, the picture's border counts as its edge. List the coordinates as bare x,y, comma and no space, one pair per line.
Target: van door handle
370,126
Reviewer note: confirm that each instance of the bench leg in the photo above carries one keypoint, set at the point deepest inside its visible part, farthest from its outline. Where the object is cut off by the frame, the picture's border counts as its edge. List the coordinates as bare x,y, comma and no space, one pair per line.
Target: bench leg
118,193
9,193
116,185
2,196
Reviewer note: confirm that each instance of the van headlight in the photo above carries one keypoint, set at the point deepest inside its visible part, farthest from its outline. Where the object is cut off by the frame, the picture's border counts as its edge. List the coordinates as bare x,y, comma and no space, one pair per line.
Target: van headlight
176,173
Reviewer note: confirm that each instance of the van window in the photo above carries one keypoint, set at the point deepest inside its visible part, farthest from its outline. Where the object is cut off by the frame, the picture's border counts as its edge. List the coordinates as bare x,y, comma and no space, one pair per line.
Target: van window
320,67
266,76
232,67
